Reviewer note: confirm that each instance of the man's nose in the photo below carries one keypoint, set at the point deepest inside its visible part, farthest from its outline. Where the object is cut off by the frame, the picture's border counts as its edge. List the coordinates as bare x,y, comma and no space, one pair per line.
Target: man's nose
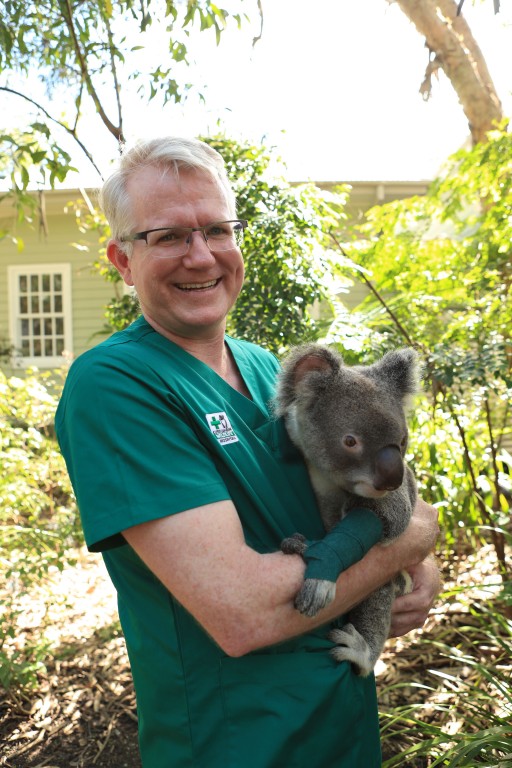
198,247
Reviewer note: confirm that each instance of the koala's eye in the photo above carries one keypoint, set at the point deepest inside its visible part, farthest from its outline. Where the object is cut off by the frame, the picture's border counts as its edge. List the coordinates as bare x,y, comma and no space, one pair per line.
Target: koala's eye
349,441
404,442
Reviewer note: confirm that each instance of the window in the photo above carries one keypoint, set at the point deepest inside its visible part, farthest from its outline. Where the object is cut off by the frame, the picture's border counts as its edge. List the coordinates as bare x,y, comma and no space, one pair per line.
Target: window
40,313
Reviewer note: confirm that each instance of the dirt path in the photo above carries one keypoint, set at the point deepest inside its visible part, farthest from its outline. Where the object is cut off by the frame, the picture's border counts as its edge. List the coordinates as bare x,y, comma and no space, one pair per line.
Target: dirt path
83,714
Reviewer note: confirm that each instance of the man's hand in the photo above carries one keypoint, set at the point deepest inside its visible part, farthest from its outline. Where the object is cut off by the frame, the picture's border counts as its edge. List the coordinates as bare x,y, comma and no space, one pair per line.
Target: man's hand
418,539
410,611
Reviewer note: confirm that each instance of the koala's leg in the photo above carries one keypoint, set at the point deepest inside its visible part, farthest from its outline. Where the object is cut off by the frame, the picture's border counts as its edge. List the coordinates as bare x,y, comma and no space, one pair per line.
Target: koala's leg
294,545
314,595
361,640
403,584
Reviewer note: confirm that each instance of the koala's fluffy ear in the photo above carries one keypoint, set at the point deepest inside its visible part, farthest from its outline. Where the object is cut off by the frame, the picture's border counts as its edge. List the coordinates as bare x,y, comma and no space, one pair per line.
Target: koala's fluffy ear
402,371
300,363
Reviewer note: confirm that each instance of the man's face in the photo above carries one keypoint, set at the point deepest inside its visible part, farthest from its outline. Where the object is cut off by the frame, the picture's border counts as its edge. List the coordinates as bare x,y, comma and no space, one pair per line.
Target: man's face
185,297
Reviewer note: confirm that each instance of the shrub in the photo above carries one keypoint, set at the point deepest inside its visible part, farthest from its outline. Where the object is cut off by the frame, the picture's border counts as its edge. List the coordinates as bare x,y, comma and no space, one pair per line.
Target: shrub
38,519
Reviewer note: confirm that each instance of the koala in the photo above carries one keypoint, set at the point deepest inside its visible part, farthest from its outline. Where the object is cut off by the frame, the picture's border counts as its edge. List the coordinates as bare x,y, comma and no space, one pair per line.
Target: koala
349,423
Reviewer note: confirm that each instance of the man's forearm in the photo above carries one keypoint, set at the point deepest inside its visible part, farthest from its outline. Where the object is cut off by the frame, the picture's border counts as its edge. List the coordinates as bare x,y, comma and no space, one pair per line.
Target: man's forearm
378,566
244,599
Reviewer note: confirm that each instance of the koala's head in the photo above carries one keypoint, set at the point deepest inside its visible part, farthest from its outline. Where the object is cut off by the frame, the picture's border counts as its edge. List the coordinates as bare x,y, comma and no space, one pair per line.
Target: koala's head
349,422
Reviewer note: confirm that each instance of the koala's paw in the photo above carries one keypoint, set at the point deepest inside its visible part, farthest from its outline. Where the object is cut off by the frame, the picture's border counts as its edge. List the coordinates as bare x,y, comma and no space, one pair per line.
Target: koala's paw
403,583
314,595
294,545
351,646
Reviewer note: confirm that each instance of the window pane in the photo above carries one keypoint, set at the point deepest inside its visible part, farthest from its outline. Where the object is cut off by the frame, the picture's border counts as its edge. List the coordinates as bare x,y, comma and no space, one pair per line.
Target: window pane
40,321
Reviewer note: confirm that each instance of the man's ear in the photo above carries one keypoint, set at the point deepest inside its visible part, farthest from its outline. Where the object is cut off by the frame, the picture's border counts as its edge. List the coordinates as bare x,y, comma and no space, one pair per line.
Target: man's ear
120,260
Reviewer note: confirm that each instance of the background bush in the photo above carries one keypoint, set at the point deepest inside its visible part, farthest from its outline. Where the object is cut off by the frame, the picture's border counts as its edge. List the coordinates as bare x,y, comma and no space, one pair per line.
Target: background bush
38,520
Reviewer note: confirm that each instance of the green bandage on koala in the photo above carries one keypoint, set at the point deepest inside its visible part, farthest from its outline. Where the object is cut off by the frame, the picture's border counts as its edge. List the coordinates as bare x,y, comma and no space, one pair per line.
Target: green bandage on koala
343,546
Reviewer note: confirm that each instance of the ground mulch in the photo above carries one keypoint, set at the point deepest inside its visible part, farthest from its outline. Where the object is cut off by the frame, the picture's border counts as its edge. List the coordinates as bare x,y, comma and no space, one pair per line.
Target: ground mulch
82,712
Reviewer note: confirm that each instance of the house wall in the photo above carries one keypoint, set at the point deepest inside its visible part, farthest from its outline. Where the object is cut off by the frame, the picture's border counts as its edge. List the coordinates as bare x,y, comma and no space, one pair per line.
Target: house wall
89,291
363,196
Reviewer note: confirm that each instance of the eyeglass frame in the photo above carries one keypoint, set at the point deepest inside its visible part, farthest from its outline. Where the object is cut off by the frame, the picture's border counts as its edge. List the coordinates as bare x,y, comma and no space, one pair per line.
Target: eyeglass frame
144,235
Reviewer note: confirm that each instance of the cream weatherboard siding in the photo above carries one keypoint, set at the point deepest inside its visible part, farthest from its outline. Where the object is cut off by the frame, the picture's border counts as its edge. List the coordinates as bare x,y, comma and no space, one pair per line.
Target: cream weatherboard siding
89,292
82,296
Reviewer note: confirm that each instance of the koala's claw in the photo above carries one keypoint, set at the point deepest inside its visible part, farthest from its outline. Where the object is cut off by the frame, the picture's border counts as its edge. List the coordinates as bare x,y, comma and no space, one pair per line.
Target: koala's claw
314,595
351,646
294,545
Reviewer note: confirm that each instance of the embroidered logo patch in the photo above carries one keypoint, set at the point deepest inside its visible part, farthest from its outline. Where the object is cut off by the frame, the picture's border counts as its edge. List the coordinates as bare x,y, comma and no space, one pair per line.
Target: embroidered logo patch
220,427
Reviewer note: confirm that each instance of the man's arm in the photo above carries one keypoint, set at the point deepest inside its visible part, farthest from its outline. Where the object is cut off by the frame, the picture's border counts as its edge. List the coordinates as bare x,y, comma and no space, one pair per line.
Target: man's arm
243,599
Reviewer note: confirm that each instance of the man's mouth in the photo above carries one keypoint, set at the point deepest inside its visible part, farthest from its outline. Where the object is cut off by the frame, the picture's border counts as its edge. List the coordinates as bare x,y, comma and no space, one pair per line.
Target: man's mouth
197,286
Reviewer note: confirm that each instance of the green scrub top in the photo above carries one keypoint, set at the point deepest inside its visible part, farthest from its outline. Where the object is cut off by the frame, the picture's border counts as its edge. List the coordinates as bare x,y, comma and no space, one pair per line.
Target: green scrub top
148,431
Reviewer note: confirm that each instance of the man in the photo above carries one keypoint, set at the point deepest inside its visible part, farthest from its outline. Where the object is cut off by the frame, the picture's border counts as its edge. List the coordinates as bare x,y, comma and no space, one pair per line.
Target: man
187,486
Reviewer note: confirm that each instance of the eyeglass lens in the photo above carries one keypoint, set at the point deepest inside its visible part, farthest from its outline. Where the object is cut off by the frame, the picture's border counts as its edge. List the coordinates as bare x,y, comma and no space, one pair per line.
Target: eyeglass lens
220,236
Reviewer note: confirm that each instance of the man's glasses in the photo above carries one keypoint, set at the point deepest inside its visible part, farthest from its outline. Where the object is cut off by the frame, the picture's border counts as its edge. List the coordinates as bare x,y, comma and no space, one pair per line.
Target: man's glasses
175,241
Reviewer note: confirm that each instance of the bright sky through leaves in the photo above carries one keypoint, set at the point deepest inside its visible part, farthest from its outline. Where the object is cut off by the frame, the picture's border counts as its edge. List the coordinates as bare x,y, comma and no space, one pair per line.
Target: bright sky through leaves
334,86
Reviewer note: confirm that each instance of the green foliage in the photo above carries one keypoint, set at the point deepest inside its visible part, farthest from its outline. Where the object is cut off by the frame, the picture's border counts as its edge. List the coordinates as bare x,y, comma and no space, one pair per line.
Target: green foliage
38,520
475,729
21,153
284,247
441,271
75,54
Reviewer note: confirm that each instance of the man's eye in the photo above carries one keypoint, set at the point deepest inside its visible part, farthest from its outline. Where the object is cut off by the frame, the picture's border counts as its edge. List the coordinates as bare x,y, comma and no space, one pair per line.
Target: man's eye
170,236
218,230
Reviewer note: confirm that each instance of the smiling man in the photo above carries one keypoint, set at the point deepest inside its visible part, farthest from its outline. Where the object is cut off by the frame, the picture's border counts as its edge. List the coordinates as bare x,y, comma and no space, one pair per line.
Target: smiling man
187,485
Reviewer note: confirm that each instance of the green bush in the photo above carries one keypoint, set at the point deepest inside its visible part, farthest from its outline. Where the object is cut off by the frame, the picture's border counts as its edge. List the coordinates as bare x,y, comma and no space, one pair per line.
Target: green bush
38,519
439,268
464,714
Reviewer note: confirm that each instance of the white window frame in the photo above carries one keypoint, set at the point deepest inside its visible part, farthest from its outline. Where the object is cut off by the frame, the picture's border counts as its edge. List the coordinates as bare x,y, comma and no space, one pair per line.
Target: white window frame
16,316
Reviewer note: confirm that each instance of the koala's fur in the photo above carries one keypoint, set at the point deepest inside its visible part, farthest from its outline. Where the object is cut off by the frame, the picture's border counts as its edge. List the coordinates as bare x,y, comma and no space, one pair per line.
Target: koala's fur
349,423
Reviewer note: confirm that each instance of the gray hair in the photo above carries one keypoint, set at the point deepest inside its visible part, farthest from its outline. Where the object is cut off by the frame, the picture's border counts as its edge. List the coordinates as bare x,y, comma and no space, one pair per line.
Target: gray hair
168,153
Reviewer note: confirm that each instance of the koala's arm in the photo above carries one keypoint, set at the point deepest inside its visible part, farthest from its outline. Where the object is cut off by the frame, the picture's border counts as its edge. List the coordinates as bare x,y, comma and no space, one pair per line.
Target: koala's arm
410,611
244,599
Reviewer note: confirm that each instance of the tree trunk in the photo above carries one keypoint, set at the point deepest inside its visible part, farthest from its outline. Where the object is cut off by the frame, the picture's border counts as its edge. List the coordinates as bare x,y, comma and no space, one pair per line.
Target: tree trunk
454,50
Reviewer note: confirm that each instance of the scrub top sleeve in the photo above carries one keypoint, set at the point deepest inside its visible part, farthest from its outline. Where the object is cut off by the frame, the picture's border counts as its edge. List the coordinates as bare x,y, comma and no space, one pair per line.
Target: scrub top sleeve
131,450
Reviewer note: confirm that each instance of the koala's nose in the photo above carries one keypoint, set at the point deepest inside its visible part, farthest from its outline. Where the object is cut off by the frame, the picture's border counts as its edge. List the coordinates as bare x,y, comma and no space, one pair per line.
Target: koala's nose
389,469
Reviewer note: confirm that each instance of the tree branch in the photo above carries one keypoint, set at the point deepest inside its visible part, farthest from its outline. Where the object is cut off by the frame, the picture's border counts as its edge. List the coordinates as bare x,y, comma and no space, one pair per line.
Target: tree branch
258,37
377,295
448,35
70,131
116,131
497,537
117,87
